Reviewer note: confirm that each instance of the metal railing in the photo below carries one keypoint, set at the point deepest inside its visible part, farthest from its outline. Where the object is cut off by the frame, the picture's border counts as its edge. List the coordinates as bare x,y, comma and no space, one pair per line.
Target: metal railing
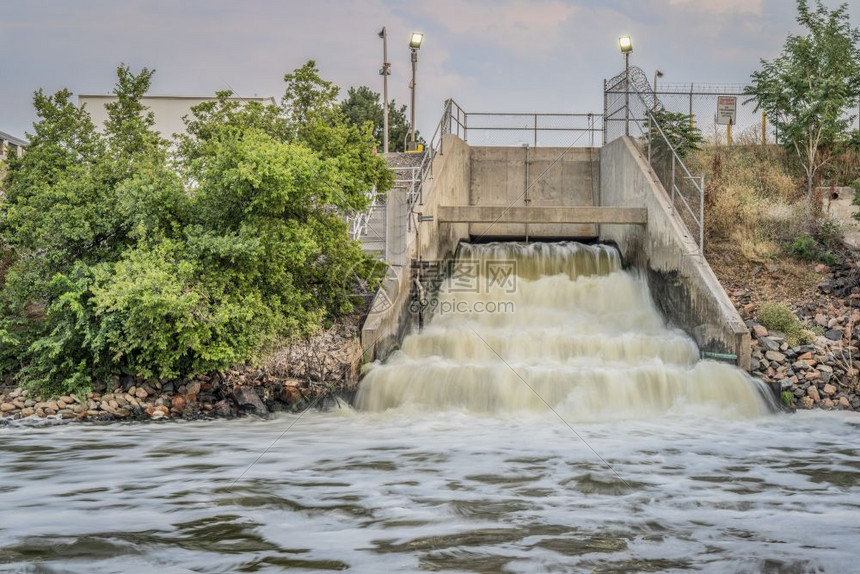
630,106
358,222
534,129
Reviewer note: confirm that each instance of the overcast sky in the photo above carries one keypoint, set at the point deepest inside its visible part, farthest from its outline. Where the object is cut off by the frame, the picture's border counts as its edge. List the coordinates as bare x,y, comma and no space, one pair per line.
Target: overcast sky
489,55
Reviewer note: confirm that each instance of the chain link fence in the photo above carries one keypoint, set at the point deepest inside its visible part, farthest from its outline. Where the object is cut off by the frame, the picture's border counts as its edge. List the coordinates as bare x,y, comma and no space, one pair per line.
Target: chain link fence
699,101
629,106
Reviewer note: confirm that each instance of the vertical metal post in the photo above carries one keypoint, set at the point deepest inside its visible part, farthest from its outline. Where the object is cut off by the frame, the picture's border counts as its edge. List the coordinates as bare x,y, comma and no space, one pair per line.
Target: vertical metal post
702,217
672,180
650,135
412,86
385,72
526,199
465,127
591,129
605,112
627,93
535,125
692,121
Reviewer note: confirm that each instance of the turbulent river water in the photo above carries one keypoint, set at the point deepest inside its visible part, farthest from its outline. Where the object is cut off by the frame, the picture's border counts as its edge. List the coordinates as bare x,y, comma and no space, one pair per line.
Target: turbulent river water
570,432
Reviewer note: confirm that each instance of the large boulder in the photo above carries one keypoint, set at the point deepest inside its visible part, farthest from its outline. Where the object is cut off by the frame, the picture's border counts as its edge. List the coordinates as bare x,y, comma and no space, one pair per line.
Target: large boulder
248,400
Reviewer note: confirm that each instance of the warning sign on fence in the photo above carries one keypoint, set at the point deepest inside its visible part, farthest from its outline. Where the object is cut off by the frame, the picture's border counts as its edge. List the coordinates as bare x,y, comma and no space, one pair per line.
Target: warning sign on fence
727,110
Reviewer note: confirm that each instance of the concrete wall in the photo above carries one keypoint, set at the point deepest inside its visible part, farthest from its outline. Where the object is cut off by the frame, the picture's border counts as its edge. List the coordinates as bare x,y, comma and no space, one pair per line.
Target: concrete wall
552,177
390,318
682,283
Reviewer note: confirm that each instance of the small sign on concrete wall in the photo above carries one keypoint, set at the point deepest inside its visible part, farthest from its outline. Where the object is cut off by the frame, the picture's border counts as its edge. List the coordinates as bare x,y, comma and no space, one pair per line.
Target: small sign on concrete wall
727,110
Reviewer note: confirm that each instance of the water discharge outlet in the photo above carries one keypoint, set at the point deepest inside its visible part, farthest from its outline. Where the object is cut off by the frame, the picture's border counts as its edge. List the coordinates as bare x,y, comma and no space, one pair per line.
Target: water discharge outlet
515,327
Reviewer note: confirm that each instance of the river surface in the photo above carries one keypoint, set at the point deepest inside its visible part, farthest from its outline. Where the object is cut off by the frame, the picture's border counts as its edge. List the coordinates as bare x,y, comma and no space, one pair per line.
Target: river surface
572,431
448,491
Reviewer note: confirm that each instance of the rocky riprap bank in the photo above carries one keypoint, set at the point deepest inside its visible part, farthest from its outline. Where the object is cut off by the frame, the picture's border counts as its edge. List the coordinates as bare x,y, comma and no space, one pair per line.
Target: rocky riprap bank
292,378
823,374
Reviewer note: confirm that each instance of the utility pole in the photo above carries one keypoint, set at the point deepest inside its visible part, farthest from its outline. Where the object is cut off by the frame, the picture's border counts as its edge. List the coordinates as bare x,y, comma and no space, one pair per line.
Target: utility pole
627,93
414,44
626,45
384,72
657,74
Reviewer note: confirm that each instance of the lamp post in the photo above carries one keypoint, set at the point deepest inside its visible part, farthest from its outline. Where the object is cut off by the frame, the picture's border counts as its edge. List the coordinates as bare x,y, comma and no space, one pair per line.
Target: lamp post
414,44
626,45
657,74
384,72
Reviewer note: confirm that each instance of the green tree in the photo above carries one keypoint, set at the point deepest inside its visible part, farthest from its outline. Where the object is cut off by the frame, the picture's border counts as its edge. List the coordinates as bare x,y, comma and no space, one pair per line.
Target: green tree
363,105
125,260
809,89
678,131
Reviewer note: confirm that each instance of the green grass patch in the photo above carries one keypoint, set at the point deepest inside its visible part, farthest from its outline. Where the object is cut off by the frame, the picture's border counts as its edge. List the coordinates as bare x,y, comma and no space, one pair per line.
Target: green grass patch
779,317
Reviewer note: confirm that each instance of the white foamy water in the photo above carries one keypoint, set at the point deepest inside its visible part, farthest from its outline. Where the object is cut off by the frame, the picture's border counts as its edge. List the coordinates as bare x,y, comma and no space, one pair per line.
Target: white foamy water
580,334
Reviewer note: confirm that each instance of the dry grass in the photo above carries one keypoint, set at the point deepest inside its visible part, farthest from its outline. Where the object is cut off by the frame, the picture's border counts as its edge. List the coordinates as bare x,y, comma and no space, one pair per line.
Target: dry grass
755,207
754,203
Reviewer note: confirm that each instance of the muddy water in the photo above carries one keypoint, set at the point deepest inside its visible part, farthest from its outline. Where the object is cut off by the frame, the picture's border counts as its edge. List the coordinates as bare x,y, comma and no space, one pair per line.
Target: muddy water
574,433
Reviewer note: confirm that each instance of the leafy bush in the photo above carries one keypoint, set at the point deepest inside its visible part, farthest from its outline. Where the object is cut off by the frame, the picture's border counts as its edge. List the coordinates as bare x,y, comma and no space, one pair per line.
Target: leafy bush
125,260
787,398
805,248
778,317
829,233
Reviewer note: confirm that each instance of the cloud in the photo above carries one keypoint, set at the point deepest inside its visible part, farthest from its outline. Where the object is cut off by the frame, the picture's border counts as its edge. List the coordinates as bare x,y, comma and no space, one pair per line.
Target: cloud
514,25
722,7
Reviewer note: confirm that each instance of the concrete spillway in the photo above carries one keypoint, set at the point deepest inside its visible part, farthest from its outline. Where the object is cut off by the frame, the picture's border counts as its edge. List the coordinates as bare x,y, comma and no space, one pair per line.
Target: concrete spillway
565,326
608,195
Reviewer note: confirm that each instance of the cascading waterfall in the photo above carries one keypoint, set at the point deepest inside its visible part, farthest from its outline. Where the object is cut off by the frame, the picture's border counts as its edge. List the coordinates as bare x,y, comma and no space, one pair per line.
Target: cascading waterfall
519,324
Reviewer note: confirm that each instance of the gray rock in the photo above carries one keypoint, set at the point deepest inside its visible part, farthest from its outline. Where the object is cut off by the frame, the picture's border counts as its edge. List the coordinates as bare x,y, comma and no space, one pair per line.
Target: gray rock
785,384
833,335
222,409
775,356
825,376
246,397
769,344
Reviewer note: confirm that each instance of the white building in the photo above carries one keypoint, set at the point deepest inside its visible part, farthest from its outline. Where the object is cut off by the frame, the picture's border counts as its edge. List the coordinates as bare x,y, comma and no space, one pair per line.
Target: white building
168,110
11,144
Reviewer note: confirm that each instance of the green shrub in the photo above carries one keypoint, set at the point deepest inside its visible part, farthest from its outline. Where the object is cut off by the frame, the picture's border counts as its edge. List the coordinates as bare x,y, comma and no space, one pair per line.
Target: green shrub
787,398
779,317
127,261
829,233
805,248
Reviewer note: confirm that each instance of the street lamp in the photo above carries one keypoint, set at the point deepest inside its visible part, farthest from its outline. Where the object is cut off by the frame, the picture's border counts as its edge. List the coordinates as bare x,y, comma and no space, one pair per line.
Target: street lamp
384,72
414,44
657,74
626,45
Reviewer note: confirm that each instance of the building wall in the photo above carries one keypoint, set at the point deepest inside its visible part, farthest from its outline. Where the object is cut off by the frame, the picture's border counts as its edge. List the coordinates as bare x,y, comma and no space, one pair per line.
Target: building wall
168,110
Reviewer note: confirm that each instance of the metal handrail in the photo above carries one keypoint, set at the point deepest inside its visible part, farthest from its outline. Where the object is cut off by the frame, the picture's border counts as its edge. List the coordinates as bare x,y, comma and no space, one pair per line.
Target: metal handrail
676,160
358,222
